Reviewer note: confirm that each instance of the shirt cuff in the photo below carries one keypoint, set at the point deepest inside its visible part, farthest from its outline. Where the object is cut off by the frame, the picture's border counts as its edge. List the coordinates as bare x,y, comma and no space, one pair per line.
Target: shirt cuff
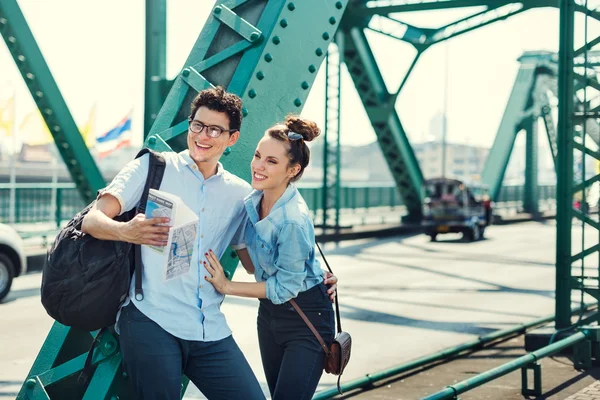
117,196
238,246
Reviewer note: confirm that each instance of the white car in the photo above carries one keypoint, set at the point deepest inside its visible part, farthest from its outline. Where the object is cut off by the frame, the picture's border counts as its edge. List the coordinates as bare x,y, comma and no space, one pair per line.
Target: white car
12,258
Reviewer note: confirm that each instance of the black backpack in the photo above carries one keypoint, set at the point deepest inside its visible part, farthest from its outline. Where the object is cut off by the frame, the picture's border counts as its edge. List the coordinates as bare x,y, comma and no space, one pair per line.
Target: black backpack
85,280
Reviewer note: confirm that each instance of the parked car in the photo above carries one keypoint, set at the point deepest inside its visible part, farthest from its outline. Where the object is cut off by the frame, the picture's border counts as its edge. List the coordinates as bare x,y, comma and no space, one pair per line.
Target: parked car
450,206
12,258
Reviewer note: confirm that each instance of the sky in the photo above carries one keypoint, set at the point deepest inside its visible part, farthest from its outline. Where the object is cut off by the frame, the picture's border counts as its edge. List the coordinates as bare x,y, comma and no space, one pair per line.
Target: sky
95,51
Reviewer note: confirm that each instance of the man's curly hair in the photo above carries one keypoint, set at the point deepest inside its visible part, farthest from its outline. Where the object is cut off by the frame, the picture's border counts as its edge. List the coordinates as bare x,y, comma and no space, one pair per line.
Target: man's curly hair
217,99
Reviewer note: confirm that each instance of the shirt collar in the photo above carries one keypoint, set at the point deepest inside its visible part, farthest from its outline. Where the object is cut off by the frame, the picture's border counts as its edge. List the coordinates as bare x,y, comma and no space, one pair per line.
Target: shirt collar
253,199
185,156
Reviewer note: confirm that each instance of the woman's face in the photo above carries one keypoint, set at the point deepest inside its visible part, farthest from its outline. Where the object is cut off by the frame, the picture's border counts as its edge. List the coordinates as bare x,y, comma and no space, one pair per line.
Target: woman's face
270,165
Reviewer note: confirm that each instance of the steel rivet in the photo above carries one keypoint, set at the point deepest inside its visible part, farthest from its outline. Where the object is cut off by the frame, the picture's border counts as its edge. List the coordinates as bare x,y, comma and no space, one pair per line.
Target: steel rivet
244,111
291,6
305,85
218,10
252,93
283,23
276,40
332,20
30,382
260,75
268,57
254,36
185,72
297,102
319,52
338,5
311,68
325,35
152,140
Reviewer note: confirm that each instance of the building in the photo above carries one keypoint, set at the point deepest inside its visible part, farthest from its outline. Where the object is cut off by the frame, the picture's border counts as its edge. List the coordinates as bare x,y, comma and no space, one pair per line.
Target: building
463,162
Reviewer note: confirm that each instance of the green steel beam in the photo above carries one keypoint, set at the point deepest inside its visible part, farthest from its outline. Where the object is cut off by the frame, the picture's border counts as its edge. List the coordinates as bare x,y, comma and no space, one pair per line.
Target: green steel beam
422,38
156,60
261,62
550,128
385,8
379,106
332,146
47,97
475,21
564,163
531,189
499,155
260,50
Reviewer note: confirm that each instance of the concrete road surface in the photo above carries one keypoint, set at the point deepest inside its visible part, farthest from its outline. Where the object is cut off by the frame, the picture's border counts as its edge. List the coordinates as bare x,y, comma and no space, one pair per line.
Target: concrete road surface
401,298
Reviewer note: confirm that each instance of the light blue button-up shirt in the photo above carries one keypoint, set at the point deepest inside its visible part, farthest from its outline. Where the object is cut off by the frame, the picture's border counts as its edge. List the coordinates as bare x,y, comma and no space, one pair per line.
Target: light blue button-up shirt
187,306
282,245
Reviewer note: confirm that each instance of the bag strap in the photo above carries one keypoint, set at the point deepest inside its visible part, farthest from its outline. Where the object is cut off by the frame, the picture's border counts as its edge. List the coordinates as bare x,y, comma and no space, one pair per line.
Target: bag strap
310,325
337,303
86,372
156,170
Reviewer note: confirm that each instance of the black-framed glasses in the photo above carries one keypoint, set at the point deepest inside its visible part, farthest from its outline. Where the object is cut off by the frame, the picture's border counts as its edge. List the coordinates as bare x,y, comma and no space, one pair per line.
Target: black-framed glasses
213,131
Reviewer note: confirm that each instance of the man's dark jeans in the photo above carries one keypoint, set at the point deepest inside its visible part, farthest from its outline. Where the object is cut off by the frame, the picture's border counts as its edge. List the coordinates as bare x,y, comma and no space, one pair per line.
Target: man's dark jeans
156,360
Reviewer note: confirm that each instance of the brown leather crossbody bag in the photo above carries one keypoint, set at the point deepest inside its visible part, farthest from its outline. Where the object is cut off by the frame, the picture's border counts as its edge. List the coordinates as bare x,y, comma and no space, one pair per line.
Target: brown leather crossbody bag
338,354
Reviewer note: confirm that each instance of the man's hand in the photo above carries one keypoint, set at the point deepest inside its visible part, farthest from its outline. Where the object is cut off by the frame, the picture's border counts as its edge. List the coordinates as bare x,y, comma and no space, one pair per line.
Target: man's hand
330,280
151,231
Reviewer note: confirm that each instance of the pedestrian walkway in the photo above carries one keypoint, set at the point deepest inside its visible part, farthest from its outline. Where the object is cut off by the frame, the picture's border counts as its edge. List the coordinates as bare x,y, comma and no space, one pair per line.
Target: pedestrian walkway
560,380
591,392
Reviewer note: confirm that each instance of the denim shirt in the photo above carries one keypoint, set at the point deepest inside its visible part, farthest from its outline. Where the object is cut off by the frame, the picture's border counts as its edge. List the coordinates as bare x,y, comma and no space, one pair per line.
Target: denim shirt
282,245
187,306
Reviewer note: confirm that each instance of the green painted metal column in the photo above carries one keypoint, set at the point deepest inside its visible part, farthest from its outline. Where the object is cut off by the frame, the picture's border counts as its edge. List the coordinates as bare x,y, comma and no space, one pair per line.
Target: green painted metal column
499,155
380,107
44,90
531,189
156,60
331,146
564,163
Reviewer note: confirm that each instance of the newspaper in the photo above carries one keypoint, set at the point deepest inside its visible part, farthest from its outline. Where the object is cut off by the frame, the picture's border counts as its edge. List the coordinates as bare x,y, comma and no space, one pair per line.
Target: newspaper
159,206
182,236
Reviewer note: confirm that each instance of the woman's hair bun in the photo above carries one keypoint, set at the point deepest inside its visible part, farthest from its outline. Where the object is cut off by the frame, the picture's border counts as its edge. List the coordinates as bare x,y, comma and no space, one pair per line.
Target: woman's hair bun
307,128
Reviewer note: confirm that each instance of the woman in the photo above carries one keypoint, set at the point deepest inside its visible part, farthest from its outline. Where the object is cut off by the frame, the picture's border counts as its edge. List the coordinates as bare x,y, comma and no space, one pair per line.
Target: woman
280,239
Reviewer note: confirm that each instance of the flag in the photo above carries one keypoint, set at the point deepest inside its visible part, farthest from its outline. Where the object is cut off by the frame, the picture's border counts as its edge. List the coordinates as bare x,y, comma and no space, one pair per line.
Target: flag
88,131
117,137
34,131
7,117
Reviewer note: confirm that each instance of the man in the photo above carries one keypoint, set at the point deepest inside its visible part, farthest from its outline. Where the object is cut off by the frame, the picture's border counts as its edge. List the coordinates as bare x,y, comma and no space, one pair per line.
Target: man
178,327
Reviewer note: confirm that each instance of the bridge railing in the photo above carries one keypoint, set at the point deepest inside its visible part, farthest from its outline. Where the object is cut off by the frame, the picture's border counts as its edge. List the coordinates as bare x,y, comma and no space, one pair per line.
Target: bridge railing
54,203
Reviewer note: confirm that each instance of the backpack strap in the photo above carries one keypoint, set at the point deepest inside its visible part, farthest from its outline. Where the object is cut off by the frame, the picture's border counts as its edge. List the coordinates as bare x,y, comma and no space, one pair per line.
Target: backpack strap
156,170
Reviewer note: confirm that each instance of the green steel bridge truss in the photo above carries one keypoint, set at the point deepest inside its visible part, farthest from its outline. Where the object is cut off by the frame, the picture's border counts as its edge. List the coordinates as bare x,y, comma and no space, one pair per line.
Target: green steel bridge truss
268,52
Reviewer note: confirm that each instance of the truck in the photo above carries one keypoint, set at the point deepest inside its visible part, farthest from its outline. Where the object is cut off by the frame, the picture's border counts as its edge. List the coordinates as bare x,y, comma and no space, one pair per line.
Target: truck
450,206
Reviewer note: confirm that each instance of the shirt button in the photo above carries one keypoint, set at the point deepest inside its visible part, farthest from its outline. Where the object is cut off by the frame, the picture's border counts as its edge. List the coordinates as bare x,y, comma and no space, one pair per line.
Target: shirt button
201,236
195,166
203,210
200,287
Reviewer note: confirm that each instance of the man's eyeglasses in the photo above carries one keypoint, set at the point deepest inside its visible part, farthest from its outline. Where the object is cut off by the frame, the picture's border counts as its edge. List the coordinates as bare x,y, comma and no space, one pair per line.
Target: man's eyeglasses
212,131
